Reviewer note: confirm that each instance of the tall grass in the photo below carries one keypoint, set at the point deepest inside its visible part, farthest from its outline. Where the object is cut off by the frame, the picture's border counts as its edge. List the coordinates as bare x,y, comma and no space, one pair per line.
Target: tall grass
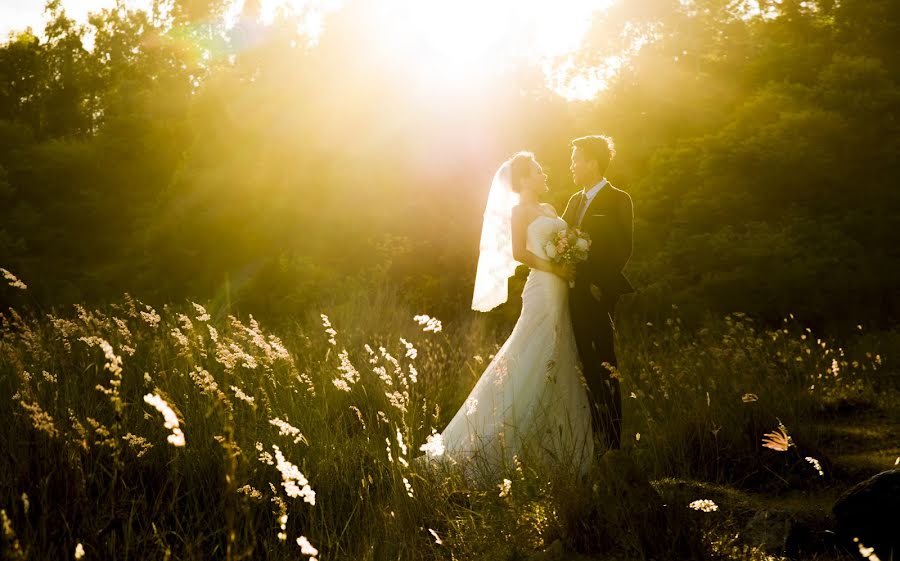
312,434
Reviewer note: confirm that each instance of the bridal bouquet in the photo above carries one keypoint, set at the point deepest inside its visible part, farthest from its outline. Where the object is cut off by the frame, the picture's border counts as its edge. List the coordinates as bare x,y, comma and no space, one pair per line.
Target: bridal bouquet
569,245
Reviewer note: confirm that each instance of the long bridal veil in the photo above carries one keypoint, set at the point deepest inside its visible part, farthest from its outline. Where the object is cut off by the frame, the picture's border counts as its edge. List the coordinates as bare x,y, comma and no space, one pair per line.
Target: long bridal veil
495,260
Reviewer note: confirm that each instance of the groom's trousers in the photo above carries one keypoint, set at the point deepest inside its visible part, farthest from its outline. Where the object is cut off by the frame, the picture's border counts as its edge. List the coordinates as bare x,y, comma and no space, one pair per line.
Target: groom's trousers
594,328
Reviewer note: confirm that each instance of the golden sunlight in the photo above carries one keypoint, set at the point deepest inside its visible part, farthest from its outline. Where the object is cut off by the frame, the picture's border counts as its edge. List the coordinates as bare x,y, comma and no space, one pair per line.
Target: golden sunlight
455,42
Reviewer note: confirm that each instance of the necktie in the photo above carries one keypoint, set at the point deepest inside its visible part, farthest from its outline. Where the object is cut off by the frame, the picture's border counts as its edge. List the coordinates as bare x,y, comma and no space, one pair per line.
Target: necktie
582,201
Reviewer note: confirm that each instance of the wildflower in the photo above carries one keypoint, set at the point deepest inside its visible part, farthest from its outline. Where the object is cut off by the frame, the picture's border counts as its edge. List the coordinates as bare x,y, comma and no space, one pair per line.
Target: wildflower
203,315
286,429
12,280
409,489
478,359
411,351
505,488
282,520
637,437
306,548
359,416
430,323
704,505
40,419
471,405
26,504
816,465
264,456
434,445
250,492
180,338
213,334
238,393
205,381
326,323
139,443
749,398
403,448
777,440
867,552
79,551
151,317
171,420
398,399
294,482
349,374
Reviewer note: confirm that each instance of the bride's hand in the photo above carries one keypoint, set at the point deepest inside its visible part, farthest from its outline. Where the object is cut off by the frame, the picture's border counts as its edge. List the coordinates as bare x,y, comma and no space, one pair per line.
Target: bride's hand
566,271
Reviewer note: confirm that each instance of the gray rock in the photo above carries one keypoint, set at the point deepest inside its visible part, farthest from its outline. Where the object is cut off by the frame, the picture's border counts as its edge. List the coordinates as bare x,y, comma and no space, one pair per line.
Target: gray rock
870,511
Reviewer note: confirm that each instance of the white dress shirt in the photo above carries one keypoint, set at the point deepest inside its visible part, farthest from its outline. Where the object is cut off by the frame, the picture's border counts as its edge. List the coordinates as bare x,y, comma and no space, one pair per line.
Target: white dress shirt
589,197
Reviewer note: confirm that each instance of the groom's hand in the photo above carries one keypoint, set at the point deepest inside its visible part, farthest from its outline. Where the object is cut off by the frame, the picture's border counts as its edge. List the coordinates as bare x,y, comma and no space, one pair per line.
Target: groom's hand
596,292
566,271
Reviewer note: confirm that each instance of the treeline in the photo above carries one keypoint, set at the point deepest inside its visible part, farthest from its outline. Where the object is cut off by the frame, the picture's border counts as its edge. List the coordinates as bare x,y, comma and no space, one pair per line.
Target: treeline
177,158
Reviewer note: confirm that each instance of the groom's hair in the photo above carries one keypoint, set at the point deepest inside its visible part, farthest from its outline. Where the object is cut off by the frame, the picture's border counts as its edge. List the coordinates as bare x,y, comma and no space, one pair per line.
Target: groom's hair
519,166
598,148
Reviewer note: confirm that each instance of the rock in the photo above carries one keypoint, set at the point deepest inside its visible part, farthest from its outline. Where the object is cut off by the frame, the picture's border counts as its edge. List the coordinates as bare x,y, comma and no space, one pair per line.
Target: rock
793,534
870,511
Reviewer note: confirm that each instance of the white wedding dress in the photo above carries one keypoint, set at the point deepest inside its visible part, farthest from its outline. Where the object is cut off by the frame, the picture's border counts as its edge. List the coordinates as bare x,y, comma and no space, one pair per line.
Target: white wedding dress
530,401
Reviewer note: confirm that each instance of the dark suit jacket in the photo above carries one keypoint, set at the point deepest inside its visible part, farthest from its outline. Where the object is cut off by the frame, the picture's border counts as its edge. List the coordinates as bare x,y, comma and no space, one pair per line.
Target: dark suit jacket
608,221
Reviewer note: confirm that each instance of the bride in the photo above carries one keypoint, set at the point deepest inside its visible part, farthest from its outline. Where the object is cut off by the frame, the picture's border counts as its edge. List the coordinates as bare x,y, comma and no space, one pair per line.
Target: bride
529,404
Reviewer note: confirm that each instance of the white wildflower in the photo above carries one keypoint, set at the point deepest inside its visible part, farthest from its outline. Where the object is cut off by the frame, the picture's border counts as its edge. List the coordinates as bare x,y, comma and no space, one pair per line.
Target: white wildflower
867,552
238,393
12,280
411,351
151,317
79,551
815,464
505,487
326,323
434,445
471,405
294,482
704,505
171,420
286,429
201,311
430,323
306,548
409,489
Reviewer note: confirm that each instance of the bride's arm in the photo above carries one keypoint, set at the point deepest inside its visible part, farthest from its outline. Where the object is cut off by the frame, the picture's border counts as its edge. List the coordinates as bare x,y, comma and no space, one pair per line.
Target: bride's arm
520,221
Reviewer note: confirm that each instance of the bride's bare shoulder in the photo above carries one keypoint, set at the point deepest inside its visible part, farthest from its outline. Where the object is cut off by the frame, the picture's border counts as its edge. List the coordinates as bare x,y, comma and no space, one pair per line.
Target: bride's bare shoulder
527,209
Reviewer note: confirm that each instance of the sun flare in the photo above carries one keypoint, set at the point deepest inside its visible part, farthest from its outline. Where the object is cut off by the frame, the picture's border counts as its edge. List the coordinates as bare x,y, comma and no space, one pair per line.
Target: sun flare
456,41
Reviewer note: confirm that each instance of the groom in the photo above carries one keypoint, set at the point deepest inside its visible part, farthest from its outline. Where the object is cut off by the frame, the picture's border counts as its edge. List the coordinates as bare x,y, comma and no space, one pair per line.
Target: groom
605,213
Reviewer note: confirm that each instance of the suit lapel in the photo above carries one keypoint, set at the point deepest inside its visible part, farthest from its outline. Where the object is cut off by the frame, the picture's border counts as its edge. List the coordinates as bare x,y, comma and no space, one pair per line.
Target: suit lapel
595,203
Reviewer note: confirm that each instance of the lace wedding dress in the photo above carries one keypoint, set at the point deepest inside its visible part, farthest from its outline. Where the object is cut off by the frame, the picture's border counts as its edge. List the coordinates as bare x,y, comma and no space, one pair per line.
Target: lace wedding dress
530,401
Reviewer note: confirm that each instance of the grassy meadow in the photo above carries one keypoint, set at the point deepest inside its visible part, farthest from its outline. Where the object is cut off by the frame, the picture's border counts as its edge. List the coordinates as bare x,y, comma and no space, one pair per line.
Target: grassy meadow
137,432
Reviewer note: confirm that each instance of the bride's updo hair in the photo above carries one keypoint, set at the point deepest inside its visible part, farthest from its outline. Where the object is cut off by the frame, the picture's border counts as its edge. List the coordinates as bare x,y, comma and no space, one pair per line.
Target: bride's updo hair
520,166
